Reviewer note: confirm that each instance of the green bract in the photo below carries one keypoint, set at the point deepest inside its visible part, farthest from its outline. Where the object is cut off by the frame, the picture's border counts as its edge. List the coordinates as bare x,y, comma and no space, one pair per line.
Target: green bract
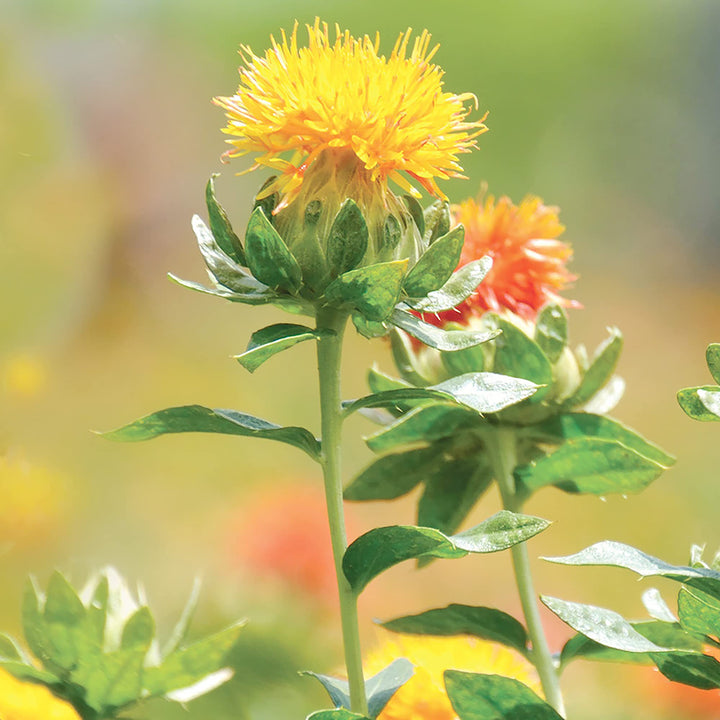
98,650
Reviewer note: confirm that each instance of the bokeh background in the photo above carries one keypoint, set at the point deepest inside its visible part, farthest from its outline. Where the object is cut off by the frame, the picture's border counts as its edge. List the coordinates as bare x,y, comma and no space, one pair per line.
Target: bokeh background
107,137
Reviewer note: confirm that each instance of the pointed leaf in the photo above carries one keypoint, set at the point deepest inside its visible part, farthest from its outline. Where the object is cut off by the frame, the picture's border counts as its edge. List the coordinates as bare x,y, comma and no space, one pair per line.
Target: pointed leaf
699,612
347,240
179,632
10,650
486,623
461,285
274,339
436,264
268,257
336,714
34,626
657,607
337,688
600,371
372,290
712,356
437,221
416,212
225,236
251,297
396,399
139,631
447,340
195,418
701,403
390,476
572,426
487,392
369,328
111,680
591,466
266,201
64,616
405,358
380,688
700,671
607,397
493,697
23,671
381,548
551,331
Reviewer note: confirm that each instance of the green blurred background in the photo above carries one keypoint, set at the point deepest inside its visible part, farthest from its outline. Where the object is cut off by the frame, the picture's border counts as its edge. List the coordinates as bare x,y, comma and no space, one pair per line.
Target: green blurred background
108,136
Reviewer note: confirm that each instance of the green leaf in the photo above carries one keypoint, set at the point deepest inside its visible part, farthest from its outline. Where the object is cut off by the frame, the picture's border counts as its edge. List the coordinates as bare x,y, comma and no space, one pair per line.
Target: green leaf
416,212
179,632
381,548
380,688
64,615
267,202
591,466
187,666
700,671
139,631
603,626
372,290
436,264
437,221
34,626
487,392
486,623
424,424
453,485
251,297
572,426
600,370
195,418
10,650
222,231
519,356
464,361
379,381
390,476
406,359
369,328
657,607
699,612
268,257
274,339
461,285
437,338
337,688
551,331
112,680
701,403
347,240
23,671
712,356
336,714
493,697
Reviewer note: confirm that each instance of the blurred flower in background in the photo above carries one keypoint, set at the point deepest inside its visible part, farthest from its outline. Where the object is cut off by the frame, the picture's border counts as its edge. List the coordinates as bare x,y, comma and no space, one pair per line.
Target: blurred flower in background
423,697
20,700
24,375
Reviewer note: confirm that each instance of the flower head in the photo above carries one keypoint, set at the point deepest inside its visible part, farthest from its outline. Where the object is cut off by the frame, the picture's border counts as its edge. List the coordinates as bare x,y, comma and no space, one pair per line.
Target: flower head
423,697
529,262
344,99
20,700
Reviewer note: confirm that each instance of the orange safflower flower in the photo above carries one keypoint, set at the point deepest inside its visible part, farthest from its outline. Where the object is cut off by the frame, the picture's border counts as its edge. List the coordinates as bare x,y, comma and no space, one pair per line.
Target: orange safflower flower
344,99
423,697
529,262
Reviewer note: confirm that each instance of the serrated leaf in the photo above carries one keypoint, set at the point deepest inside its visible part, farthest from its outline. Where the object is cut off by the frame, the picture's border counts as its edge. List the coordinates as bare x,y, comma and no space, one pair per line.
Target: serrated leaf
551,331
380,688
268,257
493,697
600,371
486,623
347,240
220,226
195,418
448,340
699,612
591,466
390,476
572,426
188,665
436,264
701,403
274,339
601,625
372,290
423,425
381,548
487,392
461,285
337,688
416,212
712,356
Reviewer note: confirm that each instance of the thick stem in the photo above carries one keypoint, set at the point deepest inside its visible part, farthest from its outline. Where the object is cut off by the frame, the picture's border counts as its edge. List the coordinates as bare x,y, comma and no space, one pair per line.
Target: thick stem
329,355
503,452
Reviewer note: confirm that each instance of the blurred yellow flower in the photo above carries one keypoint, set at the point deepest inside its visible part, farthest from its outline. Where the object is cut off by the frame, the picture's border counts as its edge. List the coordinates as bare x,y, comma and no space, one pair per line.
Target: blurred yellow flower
344,100
24,375
423,697
21,700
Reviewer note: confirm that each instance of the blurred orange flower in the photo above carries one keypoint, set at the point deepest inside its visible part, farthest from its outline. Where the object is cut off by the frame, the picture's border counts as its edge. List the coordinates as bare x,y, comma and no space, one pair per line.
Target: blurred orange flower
21,700
423,697
283,534
528,260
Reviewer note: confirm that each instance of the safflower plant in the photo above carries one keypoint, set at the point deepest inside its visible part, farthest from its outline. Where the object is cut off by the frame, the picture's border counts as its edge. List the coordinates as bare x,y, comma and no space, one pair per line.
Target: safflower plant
489,391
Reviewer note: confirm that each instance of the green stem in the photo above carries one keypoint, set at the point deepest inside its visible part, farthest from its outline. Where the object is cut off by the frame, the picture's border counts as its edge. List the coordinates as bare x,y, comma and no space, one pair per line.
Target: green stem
329,355
503,452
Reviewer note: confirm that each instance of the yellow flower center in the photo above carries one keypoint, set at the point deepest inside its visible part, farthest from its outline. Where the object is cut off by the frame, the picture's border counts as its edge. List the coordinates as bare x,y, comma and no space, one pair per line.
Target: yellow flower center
20,700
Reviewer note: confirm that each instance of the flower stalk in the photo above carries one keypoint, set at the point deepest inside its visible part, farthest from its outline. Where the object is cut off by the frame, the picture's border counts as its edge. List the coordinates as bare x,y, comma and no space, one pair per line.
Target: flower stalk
329,359
502,446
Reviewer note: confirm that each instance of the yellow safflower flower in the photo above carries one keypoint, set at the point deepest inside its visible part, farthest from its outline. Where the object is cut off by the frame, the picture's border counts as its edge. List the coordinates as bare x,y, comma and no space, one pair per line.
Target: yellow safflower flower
21,700
423,697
